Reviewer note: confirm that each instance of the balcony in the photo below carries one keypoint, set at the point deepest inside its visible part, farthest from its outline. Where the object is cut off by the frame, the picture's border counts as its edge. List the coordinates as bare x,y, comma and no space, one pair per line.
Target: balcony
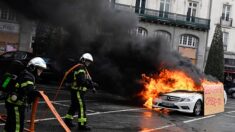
9,27
9,21
167,18
226,22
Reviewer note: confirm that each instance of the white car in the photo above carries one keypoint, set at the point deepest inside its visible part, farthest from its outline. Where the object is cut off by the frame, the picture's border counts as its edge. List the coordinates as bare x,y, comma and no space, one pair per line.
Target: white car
183,101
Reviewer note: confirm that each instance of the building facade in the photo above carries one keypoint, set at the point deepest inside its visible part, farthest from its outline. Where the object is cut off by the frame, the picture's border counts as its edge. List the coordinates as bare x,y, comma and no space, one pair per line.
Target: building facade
16,32
223,13
184,23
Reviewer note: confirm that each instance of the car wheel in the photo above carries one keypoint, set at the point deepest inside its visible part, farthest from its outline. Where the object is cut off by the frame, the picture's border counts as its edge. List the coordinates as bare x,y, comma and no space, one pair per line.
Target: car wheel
233,95
198,108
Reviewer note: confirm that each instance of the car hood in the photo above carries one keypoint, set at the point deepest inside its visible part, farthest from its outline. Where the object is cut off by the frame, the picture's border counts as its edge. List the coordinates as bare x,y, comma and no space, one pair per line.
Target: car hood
182,94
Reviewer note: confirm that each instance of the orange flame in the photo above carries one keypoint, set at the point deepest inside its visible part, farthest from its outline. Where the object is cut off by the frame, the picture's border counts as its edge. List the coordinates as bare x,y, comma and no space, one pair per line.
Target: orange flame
168,81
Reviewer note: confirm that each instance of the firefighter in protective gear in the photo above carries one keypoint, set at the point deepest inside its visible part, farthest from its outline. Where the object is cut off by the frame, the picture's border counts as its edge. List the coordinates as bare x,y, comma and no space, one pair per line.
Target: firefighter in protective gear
23,94
81,82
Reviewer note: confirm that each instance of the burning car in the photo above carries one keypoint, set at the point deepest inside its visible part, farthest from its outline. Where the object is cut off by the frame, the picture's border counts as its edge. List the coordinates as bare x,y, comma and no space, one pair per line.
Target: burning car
183,101
176,90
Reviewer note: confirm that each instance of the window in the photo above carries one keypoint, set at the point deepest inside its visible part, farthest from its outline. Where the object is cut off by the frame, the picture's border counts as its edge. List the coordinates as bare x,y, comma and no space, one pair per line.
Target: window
140,6
225,40
192,11
164,8
188,40
163,34
228,61
4,13
142,31
7,14
11,15
226,12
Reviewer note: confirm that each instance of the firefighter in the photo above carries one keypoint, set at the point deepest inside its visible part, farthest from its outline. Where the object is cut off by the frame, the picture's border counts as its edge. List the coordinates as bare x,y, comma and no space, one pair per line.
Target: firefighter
81,82
23,94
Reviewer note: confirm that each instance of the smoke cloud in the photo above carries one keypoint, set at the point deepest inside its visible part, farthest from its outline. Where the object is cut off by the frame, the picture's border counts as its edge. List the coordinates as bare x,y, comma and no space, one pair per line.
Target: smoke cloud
120,57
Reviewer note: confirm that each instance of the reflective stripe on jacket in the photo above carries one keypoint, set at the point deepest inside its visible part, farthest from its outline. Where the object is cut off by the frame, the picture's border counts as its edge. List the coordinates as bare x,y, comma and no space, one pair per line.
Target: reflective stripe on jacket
20,100
76,86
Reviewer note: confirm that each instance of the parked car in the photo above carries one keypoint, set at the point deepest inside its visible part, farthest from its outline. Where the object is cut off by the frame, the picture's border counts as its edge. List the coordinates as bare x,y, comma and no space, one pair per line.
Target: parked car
183,101
231,92
7,58
55,68
230,89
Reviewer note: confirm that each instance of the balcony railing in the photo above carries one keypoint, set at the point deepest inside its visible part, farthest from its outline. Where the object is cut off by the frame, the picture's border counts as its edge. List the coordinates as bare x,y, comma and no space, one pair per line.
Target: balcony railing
9,21
224,21
167,17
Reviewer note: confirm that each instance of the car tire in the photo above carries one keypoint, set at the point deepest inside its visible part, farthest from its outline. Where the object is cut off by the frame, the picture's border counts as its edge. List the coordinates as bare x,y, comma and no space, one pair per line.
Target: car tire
233,95
197,110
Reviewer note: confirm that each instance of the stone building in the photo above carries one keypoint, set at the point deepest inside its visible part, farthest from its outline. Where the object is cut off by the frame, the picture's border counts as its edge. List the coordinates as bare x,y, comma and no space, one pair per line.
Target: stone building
16,32
184,23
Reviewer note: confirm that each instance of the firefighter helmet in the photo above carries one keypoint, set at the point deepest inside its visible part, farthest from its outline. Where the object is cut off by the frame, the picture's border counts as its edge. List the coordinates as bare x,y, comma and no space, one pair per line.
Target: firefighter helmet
37,62
87,56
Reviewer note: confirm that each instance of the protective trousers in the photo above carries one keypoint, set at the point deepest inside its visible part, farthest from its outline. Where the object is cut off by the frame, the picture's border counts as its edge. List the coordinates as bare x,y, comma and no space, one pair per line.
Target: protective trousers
77,105
15,118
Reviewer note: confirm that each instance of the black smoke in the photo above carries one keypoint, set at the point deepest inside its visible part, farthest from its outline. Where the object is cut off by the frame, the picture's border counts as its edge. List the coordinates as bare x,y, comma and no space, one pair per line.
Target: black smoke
120,56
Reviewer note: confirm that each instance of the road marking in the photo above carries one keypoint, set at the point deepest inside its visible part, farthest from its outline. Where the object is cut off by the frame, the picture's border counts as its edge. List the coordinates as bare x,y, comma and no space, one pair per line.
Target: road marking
59,101
91,111
173,125
43,102
230,112
115,111
60,104
89,114
196,119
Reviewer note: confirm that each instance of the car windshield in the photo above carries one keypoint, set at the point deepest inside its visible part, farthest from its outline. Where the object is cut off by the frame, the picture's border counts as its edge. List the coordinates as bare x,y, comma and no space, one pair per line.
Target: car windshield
8,55
20,56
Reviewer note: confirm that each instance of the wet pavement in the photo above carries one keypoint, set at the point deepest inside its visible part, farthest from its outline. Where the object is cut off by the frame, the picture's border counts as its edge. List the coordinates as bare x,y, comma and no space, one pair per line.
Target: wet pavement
110,113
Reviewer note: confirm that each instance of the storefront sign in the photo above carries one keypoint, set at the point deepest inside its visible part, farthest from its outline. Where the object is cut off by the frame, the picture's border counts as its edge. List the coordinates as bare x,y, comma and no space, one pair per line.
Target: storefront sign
9,27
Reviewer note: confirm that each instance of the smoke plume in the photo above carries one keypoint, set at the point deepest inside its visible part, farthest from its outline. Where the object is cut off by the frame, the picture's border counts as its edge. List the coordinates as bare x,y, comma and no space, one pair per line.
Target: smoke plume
120,56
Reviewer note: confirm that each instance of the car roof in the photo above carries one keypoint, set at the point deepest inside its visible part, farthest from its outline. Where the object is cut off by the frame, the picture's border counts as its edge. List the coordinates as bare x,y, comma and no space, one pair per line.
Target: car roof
17,51
17,54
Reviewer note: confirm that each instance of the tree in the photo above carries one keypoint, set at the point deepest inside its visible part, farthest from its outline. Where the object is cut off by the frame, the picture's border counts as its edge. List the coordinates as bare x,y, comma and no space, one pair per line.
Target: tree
215,60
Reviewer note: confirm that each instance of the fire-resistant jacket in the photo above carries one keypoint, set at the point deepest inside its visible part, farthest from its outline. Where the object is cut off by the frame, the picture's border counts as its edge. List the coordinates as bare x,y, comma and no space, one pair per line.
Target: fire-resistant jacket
24,89
81,80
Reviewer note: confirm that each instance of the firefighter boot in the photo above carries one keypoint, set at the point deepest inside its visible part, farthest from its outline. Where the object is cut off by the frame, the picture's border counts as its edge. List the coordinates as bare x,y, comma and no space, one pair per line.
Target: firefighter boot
84,128
69,123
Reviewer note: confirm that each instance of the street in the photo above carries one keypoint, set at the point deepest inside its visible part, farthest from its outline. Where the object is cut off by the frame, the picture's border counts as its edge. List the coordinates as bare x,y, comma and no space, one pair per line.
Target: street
107,113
